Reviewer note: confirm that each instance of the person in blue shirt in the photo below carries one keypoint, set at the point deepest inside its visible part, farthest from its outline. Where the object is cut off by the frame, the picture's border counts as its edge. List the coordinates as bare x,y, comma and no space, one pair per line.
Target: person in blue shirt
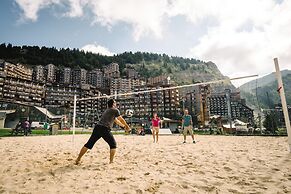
187,125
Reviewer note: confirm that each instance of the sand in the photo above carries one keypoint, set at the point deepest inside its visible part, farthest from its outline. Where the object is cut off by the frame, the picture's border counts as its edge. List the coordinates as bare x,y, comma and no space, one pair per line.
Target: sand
216,164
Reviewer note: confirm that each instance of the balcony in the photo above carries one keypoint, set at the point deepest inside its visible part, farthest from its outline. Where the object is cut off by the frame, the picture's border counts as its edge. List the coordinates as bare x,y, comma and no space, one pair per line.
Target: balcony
9,95
20,88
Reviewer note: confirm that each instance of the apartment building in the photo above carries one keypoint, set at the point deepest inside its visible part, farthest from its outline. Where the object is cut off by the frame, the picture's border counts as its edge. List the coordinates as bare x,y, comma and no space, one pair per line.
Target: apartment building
137,83
112,70
17,71
79,76
63,76
59,76
120,86
172,108
50,72
16,84
159,80
67,75
202,103
106,82
217,105
165,103
2,77
195,100
23,91
59,99
131,73
38,74
95,78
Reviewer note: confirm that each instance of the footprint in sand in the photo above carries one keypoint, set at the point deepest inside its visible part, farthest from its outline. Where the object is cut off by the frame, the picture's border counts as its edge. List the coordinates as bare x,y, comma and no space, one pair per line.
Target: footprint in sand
41,179
121,178
266,179
288,177
184,186
154,188
234,191
188,164
51,172
198,171
207,188
228,169
97,169
243,182
233,177
260,186
218,177
276,169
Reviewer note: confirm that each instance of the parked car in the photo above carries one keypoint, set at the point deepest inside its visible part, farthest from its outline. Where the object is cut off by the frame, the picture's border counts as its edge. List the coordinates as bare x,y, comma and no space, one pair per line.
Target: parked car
37,125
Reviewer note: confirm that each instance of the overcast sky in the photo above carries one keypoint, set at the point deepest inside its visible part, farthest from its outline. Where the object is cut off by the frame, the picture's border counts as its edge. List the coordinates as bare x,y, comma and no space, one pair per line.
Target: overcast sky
241,36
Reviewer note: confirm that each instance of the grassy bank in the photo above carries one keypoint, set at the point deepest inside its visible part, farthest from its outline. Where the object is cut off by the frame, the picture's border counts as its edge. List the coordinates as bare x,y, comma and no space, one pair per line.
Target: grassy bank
7,132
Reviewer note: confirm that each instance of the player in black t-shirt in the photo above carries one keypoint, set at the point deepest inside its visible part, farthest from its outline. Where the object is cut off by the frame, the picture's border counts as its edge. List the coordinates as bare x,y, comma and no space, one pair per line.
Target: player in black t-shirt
103,129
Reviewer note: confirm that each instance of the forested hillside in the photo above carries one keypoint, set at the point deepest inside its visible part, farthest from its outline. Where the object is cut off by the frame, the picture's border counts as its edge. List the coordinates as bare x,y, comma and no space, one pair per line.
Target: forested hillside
266,96
182,70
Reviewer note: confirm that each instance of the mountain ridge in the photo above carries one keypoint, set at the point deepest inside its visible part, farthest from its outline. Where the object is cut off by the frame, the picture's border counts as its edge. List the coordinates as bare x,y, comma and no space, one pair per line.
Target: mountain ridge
263,92
263,81
181,70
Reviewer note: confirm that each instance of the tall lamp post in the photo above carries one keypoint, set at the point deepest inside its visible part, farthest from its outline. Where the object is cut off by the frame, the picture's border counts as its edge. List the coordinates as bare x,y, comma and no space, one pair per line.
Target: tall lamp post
23,111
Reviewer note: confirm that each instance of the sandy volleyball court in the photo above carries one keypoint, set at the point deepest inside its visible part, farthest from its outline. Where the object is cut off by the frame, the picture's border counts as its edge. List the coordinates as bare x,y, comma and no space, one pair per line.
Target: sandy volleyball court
216,164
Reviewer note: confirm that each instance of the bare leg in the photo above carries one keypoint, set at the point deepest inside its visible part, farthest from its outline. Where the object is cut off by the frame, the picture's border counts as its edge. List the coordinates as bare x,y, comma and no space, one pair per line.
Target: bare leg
184,138
153,132
112,153
157,138
82,152
193,138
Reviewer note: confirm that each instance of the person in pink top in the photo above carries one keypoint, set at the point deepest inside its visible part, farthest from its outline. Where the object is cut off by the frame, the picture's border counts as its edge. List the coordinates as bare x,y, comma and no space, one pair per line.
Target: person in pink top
155,127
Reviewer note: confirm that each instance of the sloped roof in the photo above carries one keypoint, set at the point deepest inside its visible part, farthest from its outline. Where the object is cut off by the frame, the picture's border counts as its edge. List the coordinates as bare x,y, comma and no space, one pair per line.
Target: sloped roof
48,113
239,122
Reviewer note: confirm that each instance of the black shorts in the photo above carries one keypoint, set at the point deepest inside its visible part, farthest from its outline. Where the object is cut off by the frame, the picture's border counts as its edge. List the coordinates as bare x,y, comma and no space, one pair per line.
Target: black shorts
98,132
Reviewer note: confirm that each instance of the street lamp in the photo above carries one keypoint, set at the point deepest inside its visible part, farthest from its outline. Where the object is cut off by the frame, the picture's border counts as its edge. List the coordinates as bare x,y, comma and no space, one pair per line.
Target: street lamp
23,111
